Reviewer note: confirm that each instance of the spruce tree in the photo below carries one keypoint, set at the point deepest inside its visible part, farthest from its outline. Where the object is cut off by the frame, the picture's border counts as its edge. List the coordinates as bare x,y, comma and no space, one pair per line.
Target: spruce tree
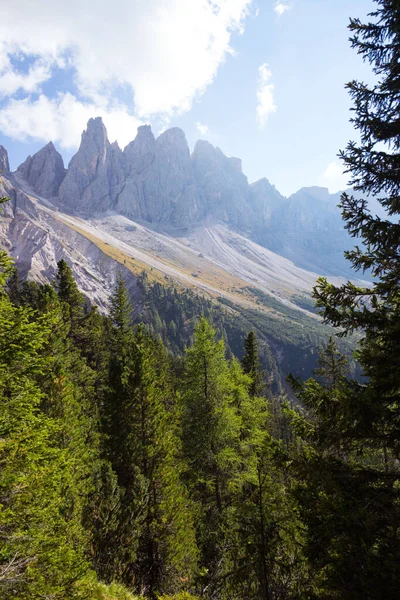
42,542
350,497
211,443
72,299
251,364
155,545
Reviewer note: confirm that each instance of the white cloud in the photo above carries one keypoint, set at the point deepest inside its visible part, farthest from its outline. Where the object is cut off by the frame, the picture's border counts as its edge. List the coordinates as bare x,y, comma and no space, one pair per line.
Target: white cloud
265,95
202,128
280,7
164,53
12,81
63,119
334,177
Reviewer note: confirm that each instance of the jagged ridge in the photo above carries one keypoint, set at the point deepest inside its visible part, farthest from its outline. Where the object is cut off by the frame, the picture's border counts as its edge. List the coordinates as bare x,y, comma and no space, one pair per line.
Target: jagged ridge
157,181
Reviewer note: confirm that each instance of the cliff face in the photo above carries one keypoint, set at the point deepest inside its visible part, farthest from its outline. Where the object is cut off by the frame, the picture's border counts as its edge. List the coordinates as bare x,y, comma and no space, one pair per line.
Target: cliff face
4,164
37,240
159,184
156,181
44,172
94,173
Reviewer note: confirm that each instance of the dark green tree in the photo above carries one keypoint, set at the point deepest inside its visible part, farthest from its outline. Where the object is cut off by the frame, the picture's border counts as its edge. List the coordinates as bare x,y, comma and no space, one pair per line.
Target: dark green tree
155,545
252,366
211,443
350,497
71,298
41,538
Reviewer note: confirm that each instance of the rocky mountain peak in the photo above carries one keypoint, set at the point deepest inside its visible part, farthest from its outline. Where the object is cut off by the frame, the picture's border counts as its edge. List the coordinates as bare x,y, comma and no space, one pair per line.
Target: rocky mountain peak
143,132
173,137
44,171
172,144
139,154
263,185
313,192
96,129
4,164
225,188
236,164
86,187
203,147
159,184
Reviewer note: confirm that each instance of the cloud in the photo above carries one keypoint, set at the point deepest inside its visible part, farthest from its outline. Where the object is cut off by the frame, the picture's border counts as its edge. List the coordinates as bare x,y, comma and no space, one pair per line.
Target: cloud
334,177
12,81
280,7
203,129
63,119
161,53
265,95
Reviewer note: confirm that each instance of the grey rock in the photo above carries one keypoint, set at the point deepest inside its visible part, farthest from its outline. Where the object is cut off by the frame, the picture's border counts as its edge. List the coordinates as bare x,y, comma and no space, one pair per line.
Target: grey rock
86,188
156,181
265,200
225,189
18,200
4,164
44,171
159,186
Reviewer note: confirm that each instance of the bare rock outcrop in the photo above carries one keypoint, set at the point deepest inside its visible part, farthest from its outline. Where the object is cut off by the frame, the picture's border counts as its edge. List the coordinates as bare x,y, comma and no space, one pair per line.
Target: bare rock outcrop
4,164
44,171
87,188
225,189
160,185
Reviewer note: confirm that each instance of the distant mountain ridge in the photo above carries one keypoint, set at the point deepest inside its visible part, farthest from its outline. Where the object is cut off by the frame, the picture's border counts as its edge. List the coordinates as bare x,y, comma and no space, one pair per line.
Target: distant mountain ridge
156,181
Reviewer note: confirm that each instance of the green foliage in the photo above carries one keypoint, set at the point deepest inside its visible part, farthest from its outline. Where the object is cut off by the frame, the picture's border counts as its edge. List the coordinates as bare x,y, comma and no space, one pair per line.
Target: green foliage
287,333
348,469
42,549
251,364
90,589
158,477
155,522
181,596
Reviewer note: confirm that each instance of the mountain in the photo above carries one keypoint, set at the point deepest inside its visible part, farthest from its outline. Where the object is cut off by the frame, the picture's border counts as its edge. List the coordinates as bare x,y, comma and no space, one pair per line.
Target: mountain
199,200
194,217
156,181
44,172
192,224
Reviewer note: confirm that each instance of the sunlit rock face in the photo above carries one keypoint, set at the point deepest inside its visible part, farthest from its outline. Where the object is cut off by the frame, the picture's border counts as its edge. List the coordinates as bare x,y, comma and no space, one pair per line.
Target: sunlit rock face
44,171
4,164
88,185
156,181
159,182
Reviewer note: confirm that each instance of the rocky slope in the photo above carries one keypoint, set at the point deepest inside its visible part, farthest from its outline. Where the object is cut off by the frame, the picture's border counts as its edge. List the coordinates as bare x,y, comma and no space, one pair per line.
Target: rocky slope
192,218
156,181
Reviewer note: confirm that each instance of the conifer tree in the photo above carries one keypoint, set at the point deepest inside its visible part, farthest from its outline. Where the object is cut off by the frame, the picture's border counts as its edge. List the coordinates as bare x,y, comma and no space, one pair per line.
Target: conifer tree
72,300
211,443
155,522
42,542
351,499
251,364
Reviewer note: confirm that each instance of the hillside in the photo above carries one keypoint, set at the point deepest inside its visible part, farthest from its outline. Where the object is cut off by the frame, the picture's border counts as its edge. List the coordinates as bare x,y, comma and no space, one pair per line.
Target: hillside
191,224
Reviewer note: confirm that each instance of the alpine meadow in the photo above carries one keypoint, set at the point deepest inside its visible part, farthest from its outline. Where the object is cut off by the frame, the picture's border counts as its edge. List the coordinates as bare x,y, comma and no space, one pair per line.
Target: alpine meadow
199,377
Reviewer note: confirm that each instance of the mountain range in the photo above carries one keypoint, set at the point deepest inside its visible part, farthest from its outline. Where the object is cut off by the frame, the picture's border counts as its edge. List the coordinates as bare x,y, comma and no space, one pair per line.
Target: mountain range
189,220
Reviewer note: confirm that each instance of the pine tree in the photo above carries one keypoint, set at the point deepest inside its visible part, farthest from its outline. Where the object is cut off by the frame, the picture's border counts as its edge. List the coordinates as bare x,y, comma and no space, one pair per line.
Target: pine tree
42,543
71,298
267,558
351,496
211,443
156,549
251,364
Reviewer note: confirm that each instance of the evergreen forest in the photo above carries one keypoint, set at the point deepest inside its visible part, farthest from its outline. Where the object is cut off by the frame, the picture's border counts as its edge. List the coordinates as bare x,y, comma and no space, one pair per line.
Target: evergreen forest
142,461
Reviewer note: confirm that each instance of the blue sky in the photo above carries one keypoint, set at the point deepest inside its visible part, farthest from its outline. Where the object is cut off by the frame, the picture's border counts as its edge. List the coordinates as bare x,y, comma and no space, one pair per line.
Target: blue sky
262,79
